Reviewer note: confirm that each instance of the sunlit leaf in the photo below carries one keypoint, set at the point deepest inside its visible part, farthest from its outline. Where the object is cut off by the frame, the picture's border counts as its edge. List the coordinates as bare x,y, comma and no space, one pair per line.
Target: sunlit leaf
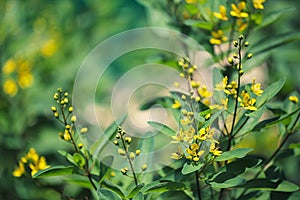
55,171
189,168
236,153
79,159
162,128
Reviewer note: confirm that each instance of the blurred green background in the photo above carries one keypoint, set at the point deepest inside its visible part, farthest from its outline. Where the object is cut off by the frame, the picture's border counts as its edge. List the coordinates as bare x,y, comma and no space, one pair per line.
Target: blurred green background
43,43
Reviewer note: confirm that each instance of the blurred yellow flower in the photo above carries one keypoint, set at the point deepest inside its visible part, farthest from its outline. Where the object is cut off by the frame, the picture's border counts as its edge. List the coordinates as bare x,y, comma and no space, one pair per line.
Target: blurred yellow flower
9,66
218,37
176,104
237,11
294,99
191,1
203,92
25,80
222,14
35,163
241,25
214,150
10,87
258,4
49,48
20,170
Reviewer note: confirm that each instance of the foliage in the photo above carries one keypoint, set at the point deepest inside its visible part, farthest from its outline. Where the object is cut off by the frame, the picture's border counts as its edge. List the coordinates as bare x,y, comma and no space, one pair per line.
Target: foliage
211,160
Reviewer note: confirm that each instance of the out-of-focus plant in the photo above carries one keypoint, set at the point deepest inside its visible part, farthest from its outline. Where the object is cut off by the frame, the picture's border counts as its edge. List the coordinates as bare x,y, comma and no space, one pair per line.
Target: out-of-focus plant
210,162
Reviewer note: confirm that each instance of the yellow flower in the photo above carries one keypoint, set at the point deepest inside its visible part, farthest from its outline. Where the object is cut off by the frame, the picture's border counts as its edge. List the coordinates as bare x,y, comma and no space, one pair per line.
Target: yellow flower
202,134
25,80
214,150
191,1
39,165
256,88
176,156
237,10
222,14
9,66
184,136
19,171
203,92
247,102
218,37
241,25
294,99
194,153
10,87
176,104
49,48
258,4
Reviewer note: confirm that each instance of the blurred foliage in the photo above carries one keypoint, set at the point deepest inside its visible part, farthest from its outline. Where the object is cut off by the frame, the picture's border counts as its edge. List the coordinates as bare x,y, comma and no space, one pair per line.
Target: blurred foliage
42,44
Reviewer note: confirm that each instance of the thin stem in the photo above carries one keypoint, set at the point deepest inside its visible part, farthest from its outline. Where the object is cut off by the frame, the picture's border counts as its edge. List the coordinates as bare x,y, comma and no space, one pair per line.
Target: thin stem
230,136
198,185
129,160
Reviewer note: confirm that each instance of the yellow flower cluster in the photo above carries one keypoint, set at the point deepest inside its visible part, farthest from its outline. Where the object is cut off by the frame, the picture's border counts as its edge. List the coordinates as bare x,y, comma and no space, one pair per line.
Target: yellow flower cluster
33,160
17,75
218,37
229,89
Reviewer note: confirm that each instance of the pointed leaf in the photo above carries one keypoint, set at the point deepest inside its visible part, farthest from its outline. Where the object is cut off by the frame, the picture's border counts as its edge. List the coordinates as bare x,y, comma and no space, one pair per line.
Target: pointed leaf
79,159
162,128
55,171
135,191
105,194
189,168
236,153
167,186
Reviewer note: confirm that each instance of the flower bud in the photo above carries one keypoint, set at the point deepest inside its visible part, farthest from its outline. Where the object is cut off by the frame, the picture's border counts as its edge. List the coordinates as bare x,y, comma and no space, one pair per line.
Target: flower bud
66,100
121,152
144,167
68,127
128,139
56,114
84,130
59,90
70,109
249,56
116,142
137,152
235,43
53,108
230,60
132,155
80,145
73,119
241,37
246,44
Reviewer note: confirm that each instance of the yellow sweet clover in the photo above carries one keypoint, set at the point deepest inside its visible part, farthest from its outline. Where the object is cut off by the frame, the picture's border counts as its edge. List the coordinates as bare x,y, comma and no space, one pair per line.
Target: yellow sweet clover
218,37
33,160
222,14
258,4
237,11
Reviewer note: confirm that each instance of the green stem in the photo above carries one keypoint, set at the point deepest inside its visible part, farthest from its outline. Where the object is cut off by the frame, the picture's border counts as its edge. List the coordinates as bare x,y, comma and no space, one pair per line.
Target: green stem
129,160
198,185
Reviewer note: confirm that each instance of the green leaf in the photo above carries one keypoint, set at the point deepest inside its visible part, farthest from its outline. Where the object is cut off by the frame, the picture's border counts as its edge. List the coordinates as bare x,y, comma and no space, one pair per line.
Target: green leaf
270,92
274,16
199,24
79,159
113,187
265,184
55,171
272,121
212,118
236,153
105,194
189,168
227,180
269,43
162,128
138,196
163,101
166,186
135,191
67,155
